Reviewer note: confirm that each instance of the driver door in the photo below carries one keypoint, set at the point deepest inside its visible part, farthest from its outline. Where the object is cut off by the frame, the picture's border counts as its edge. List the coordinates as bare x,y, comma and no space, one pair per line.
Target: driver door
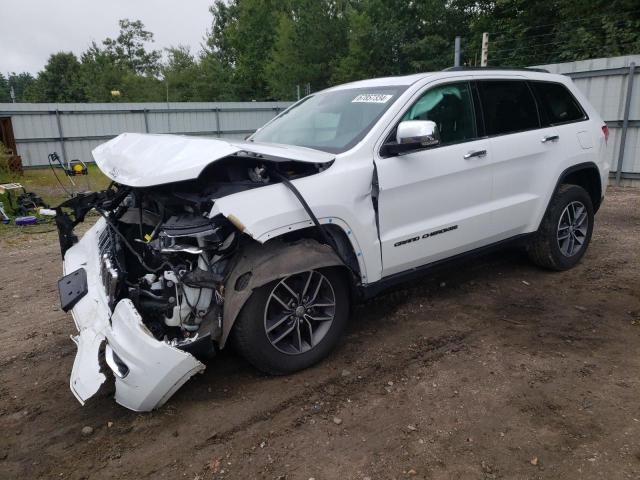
436,202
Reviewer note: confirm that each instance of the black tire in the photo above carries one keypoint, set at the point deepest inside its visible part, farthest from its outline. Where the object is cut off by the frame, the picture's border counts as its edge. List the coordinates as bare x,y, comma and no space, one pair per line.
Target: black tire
251,338
544,249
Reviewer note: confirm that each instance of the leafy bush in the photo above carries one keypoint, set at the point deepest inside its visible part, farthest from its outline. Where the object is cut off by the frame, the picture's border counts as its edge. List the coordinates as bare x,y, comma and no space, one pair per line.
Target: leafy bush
5,173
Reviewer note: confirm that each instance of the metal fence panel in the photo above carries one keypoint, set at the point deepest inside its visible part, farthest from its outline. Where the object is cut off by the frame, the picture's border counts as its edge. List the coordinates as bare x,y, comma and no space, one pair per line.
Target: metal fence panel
77,128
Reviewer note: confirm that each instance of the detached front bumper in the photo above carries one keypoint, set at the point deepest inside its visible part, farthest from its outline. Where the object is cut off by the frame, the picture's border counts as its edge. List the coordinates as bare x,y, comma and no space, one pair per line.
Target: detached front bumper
147,371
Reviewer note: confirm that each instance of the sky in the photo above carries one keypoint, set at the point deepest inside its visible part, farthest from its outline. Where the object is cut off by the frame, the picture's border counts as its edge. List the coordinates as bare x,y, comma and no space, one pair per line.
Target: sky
31,30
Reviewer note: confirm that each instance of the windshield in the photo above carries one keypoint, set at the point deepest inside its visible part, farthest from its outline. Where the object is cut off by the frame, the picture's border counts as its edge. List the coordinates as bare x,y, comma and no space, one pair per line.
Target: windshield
332,121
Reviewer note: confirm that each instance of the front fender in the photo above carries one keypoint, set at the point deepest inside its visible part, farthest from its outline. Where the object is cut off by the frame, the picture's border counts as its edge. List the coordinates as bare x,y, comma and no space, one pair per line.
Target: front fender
258,264
343,200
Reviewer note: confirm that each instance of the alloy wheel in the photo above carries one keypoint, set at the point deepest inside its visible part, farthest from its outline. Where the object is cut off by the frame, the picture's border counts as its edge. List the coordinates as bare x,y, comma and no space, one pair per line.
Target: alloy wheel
299,312
572,228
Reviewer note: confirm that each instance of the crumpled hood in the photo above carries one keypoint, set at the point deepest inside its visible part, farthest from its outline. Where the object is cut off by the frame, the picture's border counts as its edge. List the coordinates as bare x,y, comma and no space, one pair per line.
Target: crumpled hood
145,160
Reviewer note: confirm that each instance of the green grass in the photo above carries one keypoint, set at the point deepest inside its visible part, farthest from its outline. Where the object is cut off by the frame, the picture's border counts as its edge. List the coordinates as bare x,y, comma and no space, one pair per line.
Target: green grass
42,181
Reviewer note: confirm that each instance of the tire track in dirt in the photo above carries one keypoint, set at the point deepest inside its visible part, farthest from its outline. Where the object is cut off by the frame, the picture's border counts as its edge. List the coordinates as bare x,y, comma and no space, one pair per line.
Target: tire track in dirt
427,351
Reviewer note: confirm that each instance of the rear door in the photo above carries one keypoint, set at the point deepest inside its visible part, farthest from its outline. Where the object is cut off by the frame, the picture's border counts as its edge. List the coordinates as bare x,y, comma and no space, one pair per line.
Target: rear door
560,109
523,153
435,203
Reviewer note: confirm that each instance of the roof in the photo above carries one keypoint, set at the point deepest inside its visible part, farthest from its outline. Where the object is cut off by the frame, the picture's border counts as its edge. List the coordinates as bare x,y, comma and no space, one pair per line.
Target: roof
499,69
404,80
407,80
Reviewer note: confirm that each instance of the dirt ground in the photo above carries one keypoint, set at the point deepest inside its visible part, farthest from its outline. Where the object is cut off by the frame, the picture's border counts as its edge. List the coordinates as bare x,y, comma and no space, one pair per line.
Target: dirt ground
492,369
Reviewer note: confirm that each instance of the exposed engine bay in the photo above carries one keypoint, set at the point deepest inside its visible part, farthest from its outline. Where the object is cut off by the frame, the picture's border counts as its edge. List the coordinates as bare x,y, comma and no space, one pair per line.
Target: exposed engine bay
164,252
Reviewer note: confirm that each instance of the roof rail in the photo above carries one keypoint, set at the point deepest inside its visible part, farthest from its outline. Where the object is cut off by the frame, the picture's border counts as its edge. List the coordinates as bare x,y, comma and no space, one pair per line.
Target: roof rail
461,69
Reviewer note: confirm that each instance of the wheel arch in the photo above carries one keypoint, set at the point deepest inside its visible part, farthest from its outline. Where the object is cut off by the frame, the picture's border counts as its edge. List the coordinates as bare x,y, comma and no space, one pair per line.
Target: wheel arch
258,264
585,175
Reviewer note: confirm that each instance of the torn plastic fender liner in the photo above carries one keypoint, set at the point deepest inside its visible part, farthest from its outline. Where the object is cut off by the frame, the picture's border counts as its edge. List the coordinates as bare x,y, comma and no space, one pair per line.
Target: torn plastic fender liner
263,263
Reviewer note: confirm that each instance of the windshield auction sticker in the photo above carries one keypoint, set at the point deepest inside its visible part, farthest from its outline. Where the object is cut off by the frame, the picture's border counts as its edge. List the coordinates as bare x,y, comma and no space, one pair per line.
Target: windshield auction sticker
372,98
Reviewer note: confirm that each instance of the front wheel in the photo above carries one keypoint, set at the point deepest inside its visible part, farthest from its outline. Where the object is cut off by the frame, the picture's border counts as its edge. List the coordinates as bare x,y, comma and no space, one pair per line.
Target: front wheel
565,231
293,322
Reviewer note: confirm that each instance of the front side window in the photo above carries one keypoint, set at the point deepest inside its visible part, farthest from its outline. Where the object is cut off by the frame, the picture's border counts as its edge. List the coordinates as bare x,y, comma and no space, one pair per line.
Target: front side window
333,121
557,105
450,107
508,106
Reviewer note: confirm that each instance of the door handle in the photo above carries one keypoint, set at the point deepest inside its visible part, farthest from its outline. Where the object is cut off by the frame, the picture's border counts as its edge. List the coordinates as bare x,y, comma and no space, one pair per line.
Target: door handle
475,153
550,138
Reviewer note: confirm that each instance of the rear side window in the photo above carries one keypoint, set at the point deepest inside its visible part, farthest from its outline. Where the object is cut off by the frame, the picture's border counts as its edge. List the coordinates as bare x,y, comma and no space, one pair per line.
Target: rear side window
508,106
557,105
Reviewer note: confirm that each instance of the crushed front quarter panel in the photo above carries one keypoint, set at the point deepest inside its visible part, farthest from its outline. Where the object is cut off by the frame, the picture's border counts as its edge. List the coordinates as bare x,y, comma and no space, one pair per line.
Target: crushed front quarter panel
155,369
340,195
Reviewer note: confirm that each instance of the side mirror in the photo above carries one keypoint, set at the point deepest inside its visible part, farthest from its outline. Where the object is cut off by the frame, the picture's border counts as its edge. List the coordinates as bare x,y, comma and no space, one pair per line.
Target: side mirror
417,134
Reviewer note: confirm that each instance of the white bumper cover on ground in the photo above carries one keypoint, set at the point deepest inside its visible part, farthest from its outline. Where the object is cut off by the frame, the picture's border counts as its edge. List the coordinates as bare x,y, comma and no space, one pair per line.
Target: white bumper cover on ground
150,371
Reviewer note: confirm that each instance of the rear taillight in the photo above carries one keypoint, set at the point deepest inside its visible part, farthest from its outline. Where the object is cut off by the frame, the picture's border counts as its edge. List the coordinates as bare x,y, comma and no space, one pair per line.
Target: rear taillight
605,132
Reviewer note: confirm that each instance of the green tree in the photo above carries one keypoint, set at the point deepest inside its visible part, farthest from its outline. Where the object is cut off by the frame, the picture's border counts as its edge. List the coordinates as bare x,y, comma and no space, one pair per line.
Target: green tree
58,82
20,83
242,35
396,37
379,32
129,48
123,65
310,39
525,32
180,74
611,28
430,45
213,82
262,49
139,88
4,89
100,74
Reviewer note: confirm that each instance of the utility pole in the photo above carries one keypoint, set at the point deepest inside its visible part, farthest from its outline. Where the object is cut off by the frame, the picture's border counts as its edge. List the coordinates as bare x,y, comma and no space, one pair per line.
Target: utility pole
12,92
298,91
456,52
166,80
484,59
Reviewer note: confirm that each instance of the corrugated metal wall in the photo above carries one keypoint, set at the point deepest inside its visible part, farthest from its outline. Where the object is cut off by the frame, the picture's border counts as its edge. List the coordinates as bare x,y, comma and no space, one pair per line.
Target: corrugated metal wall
39,128
605,82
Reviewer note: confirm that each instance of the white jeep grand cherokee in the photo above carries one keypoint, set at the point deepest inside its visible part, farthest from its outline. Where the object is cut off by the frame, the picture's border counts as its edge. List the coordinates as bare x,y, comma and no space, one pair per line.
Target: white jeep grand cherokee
267,242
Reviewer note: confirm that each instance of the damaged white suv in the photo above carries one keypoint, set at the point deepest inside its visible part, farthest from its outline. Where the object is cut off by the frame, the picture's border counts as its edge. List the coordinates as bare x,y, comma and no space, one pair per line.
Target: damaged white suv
268,242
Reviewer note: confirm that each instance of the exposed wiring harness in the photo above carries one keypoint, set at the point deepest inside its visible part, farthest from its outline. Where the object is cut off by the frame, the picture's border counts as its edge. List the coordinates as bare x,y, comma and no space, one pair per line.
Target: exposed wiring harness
130,247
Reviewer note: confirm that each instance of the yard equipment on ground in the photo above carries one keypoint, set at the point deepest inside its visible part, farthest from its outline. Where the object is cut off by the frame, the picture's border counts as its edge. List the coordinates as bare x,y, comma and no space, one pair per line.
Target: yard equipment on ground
28,201
28,220
24,202
71,168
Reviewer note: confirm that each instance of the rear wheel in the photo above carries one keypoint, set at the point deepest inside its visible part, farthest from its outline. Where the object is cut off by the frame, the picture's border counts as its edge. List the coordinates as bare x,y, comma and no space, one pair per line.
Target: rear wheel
293,322
565,231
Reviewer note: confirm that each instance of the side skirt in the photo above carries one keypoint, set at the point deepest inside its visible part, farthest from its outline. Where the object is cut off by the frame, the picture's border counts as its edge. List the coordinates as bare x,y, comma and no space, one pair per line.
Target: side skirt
368,291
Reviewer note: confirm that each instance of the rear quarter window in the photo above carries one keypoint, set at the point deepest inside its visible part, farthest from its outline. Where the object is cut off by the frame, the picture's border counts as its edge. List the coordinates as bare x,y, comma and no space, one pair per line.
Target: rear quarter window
557,104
